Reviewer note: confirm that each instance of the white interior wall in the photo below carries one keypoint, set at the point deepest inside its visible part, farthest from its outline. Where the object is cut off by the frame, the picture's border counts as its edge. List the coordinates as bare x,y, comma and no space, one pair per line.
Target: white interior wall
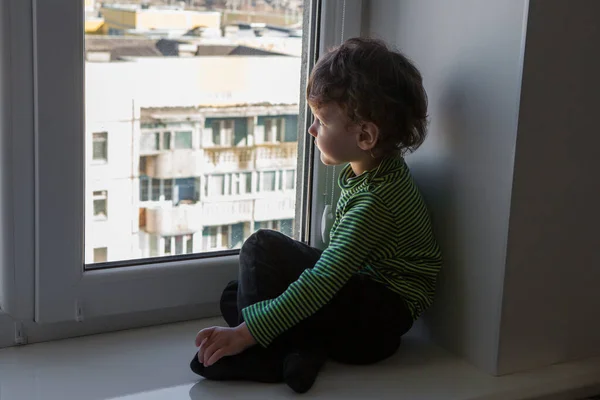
551,304
469,52
514,93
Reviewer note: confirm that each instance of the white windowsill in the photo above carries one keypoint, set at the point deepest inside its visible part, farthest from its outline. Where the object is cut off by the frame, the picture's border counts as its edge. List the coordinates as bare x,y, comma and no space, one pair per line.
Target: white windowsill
152,363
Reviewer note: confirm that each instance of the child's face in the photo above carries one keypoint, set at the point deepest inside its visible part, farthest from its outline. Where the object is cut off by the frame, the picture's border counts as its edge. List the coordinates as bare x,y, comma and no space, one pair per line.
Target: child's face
335,135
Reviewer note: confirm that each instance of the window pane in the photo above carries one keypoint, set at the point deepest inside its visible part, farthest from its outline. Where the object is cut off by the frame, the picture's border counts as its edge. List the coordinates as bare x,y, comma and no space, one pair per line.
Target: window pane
144,188
268,182
225,236
168,189
238,130
100,204
216,185
290,180
189,244
166,141
155,190
216,133
287,227
100,254
213,237
100,146
235,184
168,240
183,140
178,245
248,187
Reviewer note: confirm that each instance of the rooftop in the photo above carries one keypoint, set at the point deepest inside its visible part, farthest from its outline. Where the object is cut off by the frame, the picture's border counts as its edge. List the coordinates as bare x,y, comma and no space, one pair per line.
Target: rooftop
119,48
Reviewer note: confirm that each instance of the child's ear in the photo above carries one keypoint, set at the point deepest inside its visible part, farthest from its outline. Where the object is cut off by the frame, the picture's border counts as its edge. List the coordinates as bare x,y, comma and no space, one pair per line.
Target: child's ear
369,135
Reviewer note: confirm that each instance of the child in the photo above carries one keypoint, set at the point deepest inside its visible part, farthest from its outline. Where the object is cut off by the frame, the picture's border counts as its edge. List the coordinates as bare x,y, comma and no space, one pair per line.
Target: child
295,306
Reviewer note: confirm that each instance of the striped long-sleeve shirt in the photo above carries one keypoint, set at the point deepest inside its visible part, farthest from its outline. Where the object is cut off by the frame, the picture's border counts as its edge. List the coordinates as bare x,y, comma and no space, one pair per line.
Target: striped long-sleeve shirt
382,228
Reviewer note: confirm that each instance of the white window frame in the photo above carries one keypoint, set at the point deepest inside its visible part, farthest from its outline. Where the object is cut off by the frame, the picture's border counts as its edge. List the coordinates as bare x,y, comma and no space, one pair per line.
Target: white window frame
50,285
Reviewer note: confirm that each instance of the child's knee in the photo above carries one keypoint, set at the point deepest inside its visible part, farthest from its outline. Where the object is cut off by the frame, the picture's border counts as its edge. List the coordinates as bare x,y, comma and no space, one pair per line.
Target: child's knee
263,238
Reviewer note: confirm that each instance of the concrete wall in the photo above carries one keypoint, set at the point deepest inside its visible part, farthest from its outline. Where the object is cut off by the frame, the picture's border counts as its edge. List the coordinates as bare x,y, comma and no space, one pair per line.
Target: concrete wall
469,53
552,286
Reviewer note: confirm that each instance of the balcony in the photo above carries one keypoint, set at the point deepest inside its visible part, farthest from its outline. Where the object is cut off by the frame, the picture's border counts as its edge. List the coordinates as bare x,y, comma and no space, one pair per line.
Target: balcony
171,164
227,212
275,207
276,155
228,159
169,220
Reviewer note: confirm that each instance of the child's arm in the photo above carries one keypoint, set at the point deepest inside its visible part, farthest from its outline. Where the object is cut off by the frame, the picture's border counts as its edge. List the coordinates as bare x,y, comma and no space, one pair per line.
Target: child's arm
365,231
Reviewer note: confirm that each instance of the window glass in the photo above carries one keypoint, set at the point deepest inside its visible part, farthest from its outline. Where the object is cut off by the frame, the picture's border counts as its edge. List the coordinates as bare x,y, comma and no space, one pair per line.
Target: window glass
156,98
100,254
183,140
290,180
100,146
268,181
100,205
166,141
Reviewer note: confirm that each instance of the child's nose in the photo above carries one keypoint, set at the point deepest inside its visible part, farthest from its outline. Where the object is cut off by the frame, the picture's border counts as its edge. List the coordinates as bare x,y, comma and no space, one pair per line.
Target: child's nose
313,130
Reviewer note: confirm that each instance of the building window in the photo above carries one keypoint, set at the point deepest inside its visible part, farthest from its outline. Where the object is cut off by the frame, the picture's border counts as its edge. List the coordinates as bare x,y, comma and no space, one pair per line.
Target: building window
168,246
183,140
100,146
236,184
274,132
145,184
268,181
180,190
167,189
241,183
151,142
216,185
178,245
100,199
100,254
290,179
222,132
156,187
247,182
285,226
166,140
216,237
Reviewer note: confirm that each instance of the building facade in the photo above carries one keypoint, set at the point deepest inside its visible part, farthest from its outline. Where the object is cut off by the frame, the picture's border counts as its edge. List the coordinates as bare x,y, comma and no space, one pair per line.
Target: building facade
185,165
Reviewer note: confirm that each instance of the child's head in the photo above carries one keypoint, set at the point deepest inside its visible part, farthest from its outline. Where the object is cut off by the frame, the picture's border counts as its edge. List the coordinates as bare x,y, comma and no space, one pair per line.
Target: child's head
377,92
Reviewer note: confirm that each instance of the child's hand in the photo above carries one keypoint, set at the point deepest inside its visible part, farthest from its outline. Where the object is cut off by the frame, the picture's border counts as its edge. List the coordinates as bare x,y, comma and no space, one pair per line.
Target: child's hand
218,342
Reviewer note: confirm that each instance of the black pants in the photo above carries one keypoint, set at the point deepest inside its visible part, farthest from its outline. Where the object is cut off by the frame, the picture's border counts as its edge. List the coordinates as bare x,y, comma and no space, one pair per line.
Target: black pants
362,324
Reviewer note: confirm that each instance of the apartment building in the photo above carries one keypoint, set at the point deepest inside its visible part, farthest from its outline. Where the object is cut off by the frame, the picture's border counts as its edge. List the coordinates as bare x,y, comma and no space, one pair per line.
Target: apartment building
121,19
188,154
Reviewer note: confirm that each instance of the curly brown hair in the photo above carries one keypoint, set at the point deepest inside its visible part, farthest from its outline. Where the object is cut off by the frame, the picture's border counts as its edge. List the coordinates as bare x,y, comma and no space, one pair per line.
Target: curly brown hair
375,84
